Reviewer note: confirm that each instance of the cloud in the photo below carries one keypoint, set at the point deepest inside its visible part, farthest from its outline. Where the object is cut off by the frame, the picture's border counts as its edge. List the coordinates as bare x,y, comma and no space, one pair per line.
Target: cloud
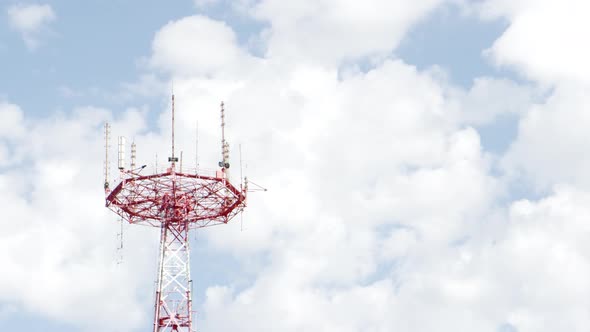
546,246
206,3
331,31
543,40
376,165
56,230
30,21
353,164
382,203
494,281
197,45
541,44
488,98
552,141
12,125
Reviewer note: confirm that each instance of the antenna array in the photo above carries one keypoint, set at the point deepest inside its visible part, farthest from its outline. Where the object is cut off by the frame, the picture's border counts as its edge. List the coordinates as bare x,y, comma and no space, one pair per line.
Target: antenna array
133,155
224,163
121,162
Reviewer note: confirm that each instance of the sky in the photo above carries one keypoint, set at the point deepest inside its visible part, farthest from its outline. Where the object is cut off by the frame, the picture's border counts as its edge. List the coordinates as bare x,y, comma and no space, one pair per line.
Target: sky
425,162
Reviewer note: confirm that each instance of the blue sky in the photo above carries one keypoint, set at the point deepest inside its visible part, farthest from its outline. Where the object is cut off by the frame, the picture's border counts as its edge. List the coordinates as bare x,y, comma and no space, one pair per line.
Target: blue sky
417,162
93,61
82,52
77,41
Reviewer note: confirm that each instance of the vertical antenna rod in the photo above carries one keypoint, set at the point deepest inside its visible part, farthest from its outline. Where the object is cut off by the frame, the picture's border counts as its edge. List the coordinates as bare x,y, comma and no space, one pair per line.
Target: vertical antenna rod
180,161
107,129
241,189
241,175
222,135
120,246
224,163
172,159
197,149
121,153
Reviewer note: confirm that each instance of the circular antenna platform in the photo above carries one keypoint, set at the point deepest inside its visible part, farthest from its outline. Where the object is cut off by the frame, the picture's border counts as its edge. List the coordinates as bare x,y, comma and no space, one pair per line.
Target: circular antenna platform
172,197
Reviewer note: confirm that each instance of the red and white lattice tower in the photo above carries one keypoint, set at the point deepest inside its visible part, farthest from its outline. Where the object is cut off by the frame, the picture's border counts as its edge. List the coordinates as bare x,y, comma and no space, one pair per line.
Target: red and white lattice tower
176,202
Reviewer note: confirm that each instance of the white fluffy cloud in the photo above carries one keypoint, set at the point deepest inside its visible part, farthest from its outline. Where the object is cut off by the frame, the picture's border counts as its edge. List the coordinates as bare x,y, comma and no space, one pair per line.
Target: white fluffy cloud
12,120
197,45
382,205
30,20
362,170
547,246
56,229
330,31
552,140
488,98
542,43
205,3
544,40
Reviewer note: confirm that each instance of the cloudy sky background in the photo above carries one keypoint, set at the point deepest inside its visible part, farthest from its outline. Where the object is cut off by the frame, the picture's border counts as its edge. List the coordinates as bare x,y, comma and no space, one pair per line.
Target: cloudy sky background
426,162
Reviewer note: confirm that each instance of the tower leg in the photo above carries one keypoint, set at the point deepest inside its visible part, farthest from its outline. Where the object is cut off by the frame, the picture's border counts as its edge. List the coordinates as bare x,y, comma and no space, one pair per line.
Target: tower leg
173,307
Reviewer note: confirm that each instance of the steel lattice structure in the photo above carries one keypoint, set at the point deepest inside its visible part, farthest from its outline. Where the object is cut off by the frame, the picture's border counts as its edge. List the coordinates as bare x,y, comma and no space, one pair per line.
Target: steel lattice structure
173,197
175,202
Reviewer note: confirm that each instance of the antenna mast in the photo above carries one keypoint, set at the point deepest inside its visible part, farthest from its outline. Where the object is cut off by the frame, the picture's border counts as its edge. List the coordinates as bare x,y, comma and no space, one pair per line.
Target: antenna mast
197,149
173,159
224,163
120,245
121,153
180,161
107,129
241,171
133,154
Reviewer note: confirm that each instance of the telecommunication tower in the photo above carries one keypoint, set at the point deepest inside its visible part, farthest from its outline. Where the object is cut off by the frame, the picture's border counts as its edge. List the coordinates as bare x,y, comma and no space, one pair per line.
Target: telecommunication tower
175,202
